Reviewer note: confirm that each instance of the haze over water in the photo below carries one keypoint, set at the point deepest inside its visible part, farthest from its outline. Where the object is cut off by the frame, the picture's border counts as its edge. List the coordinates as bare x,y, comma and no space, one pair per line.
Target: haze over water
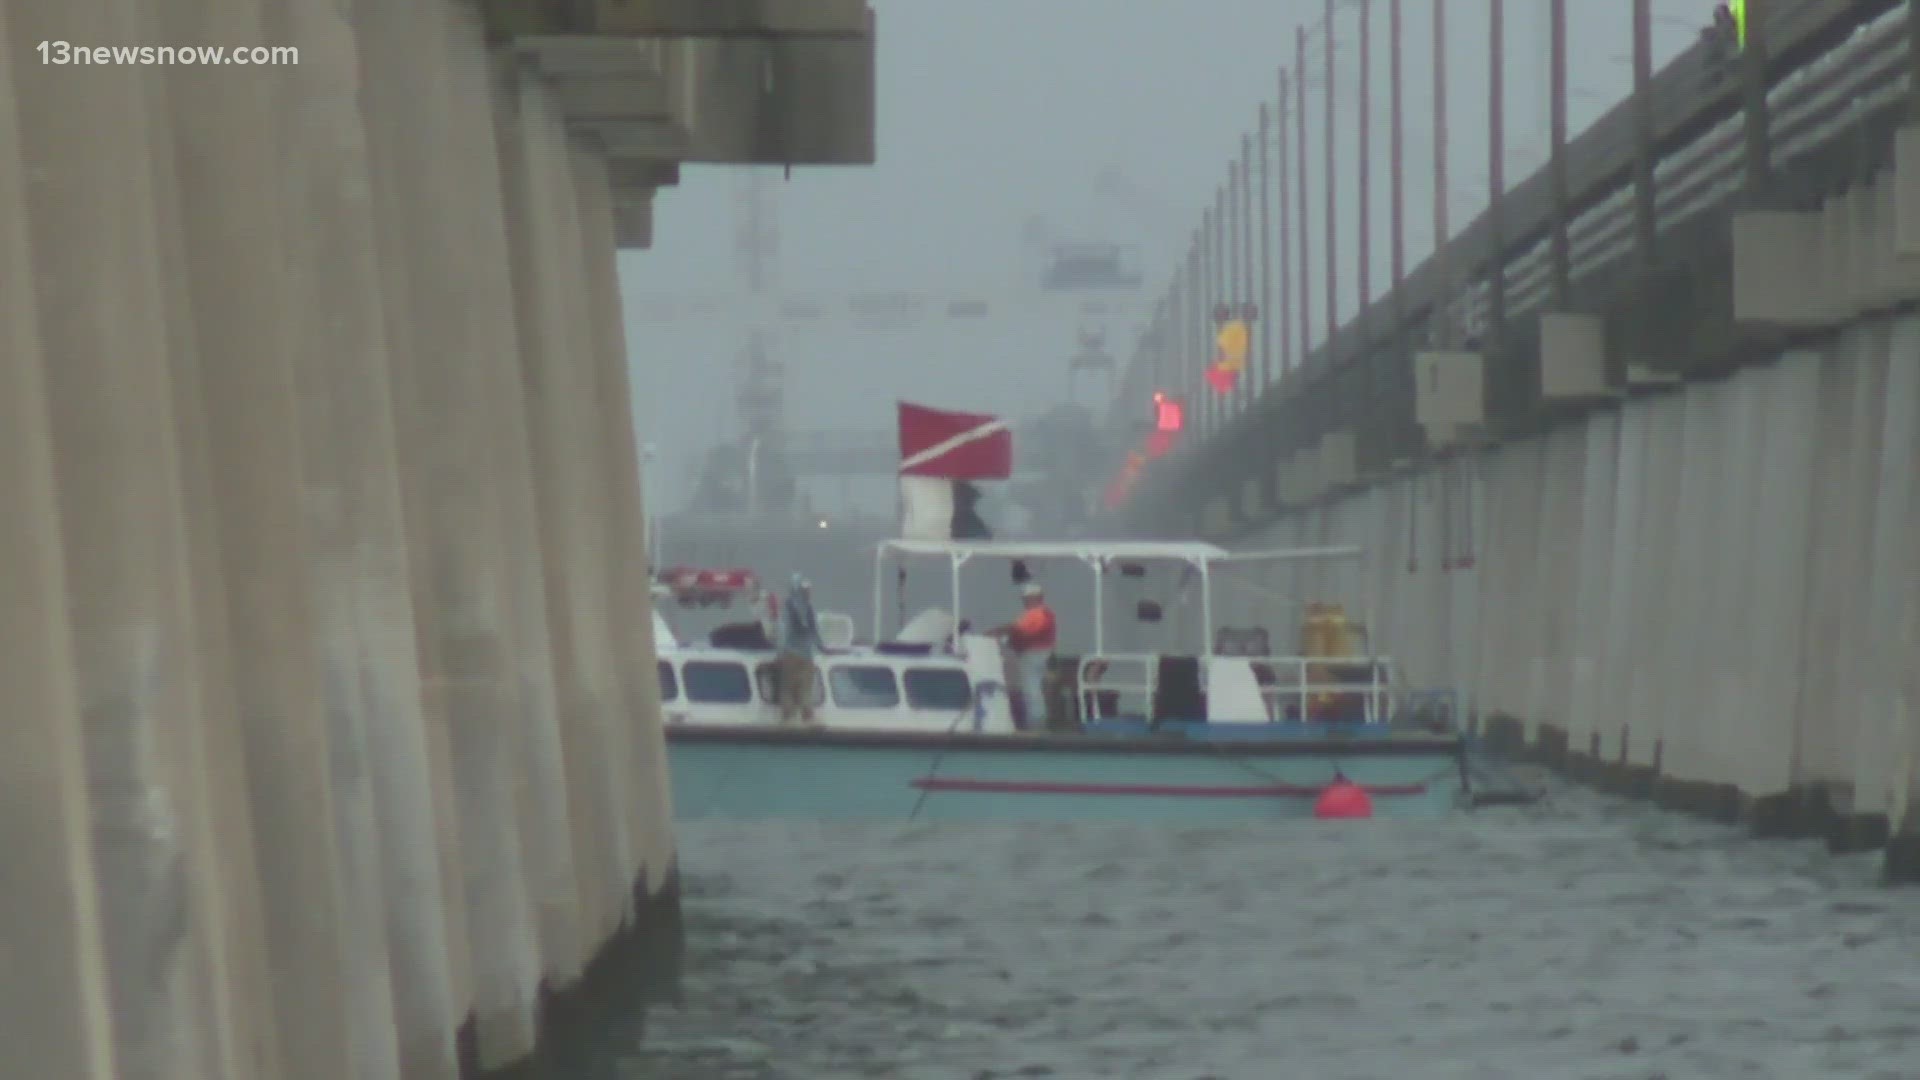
1585,938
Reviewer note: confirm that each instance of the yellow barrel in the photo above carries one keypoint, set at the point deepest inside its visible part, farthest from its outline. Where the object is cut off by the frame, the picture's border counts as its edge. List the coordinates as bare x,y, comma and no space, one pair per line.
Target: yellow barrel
1313,630
1339,633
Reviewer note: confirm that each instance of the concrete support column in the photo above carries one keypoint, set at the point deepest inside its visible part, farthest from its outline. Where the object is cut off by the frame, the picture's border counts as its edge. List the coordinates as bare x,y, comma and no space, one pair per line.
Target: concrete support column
632,622
1785,507
1592,582
53,993
357,558
1626,556
554,360
435,170
95,234
1890,723
1688,628
312,801
1655,637
1851,379
1464,596
1741,454
1884,772
569,912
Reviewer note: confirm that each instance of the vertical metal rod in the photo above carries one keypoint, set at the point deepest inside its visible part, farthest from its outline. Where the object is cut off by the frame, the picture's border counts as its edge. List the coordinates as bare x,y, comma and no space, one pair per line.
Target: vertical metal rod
1267,313
1557,163
1237,241
1443,328
1753,67
1243,390
1192,388
1913,60
1396,137
1333,235
1301,219
1645,207
1283,163
1203,341
1161,337
1364,165
1496,171
1219,291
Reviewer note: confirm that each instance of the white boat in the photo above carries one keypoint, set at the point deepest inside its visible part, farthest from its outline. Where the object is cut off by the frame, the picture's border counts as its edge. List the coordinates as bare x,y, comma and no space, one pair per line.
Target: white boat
920,723
912,679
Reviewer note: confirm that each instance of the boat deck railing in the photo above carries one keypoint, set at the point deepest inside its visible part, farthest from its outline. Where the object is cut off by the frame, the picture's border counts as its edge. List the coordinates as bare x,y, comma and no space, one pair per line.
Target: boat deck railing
1301,688
1310,687
1118,684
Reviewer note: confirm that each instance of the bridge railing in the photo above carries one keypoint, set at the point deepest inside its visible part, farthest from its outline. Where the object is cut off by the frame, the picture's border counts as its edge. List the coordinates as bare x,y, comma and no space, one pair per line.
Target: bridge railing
1809,107
1695,103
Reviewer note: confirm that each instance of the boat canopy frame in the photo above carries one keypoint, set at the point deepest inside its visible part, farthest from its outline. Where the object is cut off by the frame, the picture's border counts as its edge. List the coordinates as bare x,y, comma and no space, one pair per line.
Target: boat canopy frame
1097,555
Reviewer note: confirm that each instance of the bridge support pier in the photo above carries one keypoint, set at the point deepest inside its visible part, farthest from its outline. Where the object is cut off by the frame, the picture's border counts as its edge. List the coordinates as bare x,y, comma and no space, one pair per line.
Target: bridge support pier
53,1016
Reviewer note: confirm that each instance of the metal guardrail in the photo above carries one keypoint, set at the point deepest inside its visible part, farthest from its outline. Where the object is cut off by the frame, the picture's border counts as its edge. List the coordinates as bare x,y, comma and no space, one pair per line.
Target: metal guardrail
1132,679
1809,108
1295,686
1695,104
1818,87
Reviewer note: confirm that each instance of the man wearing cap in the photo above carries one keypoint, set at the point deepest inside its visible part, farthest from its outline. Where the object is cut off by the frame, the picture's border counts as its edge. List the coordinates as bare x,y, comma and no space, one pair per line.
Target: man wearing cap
1031,640
799,641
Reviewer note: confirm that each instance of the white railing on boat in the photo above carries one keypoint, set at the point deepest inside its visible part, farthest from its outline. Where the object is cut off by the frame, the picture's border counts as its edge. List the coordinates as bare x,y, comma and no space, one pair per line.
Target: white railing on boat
1131,679
1116,685
1299,690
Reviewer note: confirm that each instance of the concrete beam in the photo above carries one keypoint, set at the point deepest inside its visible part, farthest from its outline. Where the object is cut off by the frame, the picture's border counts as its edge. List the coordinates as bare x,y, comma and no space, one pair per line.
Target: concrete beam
631,97
1573,358
784,103
1906,191
1893,279
1339,463
1771,283
641,176
633,223
1449,393
506,20
717,100
733,18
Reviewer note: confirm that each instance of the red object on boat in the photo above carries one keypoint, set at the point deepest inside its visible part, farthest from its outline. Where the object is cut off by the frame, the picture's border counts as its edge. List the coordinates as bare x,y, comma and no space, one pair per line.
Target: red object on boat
709,587
1343,800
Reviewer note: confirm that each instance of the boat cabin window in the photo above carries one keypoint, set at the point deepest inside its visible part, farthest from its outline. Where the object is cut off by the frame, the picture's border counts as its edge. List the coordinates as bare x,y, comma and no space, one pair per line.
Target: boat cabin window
864,686
717,682
938,689
669,682
766,676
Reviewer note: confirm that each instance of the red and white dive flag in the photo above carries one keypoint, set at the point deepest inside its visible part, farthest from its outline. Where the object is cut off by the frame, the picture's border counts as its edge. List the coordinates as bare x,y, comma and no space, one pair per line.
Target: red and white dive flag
940,453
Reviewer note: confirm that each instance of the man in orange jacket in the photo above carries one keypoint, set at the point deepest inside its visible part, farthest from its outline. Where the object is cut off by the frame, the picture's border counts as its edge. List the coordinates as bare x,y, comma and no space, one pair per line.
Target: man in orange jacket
1031,639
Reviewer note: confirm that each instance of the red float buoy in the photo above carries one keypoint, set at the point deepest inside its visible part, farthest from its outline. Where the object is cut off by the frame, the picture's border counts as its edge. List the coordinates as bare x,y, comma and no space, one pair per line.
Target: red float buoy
1343,800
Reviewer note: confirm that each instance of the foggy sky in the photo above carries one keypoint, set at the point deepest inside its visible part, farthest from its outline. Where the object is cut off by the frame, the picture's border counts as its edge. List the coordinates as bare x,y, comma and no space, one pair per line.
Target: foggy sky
1110,120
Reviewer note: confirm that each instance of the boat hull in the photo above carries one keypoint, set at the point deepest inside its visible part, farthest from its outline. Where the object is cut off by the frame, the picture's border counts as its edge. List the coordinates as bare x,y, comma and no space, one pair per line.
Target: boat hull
1216,777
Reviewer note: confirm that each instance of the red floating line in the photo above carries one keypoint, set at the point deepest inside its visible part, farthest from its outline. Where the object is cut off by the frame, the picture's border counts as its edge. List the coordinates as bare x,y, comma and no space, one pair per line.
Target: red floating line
1177,791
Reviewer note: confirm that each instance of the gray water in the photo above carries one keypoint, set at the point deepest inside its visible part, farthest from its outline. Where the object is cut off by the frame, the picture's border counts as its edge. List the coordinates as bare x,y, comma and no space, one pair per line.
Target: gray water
1582,938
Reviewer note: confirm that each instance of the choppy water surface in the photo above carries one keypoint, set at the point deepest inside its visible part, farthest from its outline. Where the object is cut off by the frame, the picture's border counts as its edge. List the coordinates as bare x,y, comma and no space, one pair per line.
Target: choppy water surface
1586,938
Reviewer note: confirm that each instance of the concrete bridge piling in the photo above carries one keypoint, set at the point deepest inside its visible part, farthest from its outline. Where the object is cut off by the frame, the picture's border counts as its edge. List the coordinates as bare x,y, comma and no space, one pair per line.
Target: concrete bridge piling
333,744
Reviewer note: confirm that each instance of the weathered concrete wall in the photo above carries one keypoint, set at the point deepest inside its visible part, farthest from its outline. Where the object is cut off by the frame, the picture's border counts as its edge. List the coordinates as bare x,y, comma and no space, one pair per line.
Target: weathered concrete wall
335,748
1709,591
